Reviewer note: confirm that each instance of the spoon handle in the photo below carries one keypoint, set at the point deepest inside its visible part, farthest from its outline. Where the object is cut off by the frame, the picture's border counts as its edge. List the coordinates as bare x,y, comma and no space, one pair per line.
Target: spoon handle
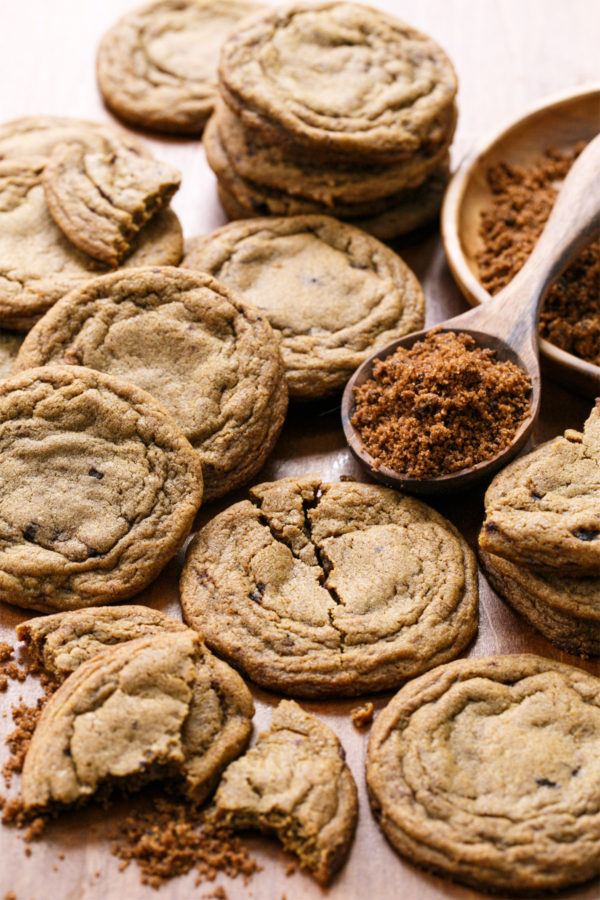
573,223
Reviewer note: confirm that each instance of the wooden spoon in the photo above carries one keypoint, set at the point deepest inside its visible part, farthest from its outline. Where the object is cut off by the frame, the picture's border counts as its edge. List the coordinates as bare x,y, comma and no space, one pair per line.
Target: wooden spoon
508,324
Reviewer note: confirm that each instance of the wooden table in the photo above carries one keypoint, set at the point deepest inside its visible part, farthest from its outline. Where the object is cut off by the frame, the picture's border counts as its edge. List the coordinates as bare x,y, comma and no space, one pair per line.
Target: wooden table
508,54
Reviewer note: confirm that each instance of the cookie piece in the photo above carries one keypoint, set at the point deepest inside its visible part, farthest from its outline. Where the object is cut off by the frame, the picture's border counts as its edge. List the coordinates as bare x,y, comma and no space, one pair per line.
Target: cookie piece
159,706
212,360
275,167
133,483
544,509
486,770
565,610
332,293
102,200
38,263
157,67
295,784
63,641
9,347
344,77
330,590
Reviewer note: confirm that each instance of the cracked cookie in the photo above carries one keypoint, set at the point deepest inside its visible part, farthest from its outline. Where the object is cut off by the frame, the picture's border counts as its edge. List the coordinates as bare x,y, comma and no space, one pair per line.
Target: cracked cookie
330,590
212,360
345,78
565,610
100,488
295,783
35,136
157,67
159,706
38,263
101,200
63,641
486,770
543,510
332,294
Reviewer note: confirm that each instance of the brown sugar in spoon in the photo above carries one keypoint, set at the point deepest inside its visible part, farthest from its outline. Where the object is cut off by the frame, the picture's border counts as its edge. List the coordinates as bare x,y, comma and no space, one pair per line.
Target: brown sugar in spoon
508,324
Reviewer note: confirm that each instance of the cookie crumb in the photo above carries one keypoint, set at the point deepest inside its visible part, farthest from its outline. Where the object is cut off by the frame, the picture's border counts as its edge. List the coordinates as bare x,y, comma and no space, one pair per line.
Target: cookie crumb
8,667
362,715
10,896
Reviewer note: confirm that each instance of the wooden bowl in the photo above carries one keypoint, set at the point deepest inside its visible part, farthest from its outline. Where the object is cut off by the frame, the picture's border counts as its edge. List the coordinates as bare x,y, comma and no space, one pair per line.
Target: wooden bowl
561,122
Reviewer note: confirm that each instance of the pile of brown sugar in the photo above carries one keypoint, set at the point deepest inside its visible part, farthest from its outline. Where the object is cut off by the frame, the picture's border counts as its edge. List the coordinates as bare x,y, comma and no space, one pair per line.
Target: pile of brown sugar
522,199
441,406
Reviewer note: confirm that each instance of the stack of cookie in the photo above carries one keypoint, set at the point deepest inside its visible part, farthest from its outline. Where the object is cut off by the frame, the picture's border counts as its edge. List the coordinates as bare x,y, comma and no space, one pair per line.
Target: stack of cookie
540,542
336,109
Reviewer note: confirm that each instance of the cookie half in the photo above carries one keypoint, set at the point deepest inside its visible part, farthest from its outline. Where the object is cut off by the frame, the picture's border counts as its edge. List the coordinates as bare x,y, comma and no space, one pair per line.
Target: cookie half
39,264
544,509
294,783
157,707
209,358
102,200
332,293
100,488
486,770
342,77
565,610
329,590
157,67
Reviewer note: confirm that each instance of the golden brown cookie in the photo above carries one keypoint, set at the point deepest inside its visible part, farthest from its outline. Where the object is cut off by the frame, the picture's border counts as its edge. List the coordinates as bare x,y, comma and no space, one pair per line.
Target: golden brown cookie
294,783
36,272
102,200
38,135
344,77
157,67
209,358
100,488
486,770
63,641
157,707
332,293
544,509
330,590
565,609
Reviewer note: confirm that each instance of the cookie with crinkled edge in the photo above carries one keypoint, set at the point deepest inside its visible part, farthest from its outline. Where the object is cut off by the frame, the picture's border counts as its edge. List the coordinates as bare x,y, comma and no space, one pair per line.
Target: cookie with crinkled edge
39,264
543,510
63,641
565,610
35,136
330,590
160,706
101,201
344,78
210,358
485,770
100,488
315,179
332,293
295,783
157,67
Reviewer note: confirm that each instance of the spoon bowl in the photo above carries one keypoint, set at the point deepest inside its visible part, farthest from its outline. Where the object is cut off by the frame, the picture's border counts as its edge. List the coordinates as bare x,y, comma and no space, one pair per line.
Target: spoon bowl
507,325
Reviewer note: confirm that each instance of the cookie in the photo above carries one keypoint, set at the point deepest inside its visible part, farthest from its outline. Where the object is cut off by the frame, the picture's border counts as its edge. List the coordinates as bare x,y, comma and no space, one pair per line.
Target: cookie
347,78
212,360
486,770
316,179
294,783
565,610
38,263
544,509
38,135
332,293
63,641
131,480
330,590
9,347
102,200
157,67
157,707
